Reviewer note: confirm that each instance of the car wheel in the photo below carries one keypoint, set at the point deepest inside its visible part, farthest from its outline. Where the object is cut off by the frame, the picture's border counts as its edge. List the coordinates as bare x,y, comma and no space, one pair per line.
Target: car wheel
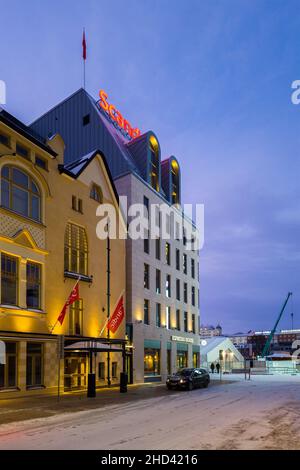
190,386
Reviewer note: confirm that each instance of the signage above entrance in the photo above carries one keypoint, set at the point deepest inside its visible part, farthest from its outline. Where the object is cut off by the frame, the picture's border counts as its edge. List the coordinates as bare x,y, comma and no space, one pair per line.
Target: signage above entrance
117,117
181,339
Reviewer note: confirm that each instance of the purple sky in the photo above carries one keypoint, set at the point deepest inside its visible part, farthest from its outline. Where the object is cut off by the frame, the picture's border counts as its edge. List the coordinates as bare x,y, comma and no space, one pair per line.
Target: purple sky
212,79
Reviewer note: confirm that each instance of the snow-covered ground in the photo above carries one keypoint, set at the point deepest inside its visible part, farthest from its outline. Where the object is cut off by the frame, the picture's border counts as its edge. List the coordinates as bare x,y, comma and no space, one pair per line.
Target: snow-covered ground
259,414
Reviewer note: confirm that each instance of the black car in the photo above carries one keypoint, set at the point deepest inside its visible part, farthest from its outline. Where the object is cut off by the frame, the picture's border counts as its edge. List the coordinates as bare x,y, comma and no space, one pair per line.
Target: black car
188,379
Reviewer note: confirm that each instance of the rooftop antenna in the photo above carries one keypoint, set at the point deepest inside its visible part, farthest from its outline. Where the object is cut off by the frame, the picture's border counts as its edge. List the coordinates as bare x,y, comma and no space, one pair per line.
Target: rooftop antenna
83,55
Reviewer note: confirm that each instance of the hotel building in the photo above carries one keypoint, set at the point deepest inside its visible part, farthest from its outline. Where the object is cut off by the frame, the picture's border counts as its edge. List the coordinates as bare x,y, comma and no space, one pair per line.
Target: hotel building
162,276
47,242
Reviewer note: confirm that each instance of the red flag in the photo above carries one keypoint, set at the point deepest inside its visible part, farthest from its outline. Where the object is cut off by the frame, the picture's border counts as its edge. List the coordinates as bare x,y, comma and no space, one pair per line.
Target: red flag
72,298
117,317
83,46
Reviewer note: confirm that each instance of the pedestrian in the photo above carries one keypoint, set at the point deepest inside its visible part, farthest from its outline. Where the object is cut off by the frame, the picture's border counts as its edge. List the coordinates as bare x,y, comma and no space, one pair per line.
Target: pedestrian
218,367
212,367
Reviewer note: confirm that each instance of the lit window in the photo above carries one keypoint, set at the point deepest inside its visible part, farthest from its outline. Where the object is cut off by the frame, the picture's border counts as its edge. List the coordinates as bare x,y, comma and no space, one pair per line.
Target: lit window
154,163
76,250
9,279
20,193
33,287
75,318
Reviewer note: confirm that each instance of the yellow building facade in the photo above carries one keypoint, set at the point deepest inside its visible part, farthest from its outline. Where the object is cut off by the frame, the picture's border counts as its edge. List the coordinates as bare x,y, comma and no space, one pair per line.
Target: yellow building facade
48,242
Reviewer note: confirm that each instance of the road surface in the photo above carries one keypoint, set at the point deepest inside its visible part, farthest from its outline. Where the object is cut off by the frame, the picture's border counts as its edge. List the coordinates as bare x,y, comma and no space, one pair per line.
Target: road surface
259,414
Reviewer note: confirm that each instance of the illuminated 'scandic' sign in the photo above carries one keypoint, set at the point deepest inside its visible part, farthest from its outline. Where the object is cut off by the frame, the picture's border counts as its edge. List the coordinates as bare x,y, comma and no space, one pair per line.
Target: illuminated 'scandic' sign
117,117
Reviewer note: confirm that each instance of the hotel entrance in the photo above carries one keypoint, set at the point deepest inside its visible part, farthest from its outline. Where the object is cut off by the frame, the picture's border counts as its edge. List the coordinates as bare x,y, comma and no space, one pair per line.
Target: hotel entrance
75,373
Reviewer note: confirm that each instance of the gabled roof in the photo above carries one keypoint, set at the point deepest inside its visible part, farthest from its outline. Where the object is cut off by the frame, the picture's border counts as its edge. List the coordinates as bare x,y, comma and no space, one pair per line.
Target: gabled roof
25,131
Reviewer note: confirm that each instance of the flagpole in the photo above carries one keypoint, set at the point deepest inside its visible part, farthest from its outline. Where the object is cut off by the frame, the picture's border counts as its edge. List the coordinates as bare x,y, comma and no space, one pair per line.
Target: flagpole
84,74
52,329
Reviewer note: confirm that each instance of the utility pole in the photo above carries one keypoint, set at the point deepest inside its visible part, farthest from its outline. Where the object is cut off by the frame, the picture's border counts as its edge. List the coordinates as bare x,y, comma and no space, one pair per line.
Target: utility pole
108,301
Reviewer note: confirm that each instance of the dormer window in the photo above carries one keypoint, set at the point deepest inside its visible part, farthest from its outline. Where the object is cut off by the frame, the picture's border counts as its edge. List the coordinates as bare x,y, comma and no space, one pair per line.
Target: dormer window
154,163
175,182
96,193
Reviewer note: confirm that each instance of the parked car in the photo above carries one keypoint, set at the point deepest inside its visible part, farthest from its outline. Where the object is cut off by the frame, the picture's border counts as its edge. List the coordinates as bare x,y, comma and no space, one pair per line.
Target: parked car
188,379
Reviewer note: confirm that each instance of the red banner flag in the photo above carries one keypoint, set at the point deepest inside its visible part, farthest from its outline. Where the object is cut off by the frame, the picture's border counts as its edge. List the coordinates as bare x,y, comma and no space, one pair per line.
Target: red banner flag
72,298
83,46
117,317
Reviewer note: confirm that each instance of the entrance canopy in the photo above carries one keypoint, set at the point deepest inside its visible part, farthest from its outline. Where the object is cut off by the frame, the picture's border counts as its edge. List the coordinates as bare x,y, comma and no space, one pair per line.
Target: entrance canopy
92,346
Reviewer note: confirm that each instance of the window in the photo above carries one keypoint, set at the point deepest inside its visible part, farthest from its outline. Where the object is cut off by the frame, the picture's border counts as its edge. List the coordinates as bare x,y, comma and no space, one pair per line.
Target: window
75,318
114,370
146,276
80,206
74,203
4,140
86,120
22,151
168,317
33,285
175,182
168,285
193,323
154,163
158,281
168,253
177,259
178,319
101,371
146,311
146,233
193,296
76,250
193,268
41,162
178,289
157,248
184,263
9,280
185,292
184,236
146,244
96,193
8,371
20,193
185,322
151,362
34,365
158,315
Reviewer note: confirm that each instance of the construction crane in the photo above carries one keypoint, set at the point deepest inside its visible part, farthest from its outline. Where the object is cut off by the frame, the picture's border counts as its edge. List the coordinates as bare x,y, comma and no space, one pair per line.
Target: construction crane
270,337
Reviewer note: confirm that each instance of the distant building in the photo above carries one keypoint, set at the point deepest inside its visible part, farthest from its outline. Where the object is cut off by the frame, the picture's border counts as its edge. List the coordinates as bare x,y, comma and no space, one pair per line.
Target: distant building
210,331
220,349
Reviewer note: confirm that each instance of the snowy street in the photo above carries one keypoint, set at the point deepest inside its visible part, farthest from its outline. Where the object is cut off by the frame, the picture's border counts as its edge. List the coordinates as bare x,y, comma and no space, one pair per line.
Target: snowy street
259,414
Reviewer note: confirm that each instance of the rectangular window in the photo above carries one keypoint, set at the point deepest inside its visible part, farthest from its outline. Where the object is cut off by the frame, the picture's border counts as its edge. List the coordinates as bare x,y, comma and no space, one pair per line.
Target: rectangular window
74,203
41,162
101,370
8,371
9,280
184,236
178,289
158,315
114,370
177,259
193,268
168,317
193,296
76,318
177,319
86,120
157,248
193,323
146,311
5,140
151,362
184,263
158,281
185,292
76,250
146,232
168,285
33,285
168,253
146,276
80,206
34,365
22,151
185,321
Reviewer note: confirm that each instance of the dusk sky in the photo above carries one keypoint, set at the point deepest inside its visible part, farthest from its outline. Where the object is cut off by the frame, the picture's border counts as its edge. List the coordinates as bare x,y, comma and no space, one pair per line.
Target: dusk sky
212,79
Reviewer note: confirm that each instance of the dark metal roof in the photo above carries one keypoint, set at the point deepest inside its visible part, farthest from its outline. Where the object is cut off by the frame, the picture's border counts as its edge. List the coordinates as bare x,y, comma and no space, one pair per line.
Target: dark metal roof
25,131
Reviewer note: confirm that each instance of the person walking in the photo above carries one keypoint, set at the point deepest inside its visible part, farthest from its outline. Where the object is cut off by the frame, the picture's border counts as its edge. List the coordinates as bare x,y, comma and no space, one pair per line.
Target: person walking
212,367
218,367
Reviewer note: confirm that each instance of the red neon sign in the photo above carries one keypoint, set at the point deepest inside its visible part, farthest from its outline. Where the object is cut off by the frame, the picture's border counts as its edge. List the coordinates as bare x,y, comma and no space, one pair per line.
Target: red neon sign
117,117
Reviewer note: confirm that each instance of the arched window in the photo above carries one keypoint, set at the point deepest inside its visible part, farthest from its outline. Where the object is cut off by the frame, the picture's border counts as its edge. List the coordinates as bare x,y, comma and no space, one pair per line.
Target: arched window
76,250
175,188
96,193
20,193
154,163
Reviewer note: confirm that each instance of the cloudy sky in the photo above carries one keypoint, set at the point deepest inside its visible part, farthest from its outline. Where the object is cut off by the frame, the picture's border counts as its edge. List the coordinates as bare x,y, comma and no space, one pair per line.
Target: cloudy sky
212,79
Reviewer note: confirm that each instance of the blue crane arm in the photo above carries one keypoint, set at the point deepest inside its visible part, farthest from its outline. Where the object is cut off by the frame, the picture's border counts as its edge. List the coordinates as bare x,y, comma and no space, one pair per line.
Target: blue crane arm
270,337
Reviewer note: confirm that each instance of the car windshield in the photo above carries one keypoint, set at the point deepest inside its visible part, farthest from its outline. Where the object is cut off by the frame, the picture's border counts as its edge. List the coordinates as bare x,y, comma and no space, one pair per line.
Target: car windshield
184,372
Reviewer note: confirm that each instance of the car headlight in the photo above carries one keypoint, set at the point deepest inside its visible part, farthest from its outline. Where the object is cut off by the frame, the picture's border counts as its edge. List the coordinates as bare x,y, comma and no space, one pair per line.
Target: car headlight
168,380
182,381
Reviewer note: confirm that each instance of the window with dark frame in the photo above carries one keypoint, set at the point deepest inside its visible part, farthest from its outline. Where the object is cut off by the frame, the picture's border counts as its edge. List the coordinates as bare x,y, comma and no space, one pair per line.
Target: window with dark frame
76,318
101,370
41,162
177,289
76,249
34,365
4,140
168,253
185,322
114,370
146,276
146,311
193,296
185,293
158,281
177,259
178,319
22,151
158,315
33,285
9,279
168,285
8,371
